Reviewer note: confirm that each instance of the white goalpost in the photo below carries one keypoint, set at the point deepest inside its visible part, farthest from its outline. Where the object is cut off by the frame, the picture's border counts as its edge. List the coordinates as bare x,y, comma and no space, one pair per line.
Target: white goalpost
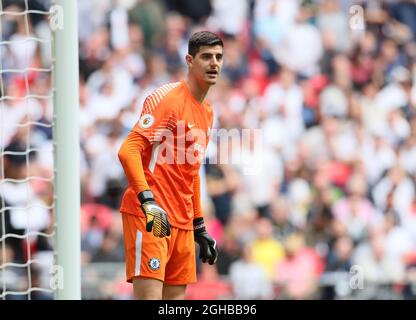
27,219
66,136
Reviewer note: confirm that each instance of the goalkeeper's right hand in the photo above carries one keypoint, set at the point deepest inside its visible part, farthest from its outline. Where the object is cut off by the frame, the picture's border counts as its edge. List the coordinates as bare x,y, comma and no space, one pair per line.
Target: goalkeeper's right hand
156,217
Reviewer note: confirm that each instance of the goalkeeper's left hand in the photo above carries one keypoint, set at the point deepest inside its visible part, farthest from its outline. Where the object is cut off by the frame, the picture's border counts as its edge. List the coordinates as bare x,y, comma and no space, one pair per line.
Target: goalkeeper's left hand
207,245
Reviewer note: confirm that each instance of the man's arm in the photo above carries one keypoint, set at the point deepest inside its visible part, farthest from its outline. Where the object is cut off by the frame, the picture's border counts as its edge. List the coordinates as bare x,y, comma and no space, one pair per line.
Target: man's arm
196,199
207,245
131,160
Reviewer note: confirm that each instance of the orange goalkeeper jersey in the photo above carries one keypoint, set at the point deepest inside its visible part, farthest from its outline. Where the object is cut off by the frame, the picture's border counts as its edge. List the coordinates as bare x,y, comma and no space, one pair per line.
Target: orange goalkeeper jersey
177,127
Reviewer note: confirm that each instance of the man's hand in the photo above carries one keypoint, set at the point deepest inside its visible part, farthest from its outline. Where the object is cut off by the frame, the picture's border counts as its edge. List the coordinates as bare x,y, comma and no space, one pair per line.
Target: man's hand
207,245
156,217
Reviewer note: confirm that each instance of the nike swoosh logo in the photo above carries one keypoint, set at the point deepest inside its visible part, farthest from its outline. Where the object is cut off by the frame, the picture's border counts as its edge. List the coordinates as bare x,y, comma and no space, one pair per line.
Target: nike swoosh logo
190,125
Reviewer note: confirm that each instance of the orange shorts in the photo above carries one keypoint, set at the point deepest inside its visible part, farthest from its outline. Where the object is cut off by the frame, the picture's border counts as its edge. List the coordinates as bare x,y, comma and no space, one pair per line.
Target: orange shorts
170,259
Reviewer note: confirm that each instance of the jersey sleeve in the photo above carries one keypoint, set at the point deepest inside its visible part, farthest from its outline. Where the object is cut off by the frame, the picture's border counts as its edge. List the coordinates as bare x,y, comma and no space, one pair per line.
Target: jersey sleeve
157,117
196,199
129,155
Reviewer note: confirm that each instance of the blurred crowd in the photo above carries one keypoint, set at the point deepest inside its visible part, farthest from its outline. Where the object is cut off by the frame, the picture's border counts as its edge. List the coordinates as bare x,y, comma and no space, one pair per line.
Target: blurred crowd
329,211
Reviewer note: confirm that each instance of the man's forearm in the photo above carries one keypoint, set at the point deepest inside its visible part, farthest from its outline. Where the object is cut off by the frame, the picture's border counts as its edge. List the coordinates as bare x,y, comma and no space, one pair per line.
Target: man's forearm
196,199
130,158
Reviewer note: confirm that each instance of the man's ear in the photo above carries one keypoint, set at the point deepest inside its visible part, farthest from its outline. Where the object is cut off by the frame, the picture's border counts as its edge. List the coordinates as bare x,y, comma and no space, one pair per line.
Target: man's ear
189,60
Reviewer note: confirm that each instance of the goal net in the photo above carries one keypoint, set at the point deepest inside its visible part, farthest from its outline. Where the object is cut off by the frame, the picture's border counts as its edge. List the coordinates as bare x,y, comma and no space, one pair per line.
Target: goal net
29,243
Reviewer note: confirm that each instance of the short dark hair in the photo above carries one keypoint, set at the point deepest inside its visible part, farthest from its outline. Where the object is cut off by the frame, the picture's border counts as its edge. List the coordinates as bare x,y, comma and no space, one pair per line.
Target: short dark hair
203,38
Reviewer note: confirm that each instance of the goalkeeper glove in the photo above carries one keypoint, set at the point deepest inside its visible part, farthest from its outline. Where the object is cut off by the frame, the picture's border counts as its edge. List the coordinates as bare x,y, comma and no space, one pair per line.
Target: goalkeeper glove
207,245
156,217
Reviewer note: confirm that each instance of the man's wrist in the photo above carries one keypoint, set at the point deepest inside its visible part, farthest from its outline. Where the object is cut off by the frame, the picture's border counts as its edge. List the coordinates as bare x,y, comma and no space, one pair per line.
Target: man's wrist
199,225
145,196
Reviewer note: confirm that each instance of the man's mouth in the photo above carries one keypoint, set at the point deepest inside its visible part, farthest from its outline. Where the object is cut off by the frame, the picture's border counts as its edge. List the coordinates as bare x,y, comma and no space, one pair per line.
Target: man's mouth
212,72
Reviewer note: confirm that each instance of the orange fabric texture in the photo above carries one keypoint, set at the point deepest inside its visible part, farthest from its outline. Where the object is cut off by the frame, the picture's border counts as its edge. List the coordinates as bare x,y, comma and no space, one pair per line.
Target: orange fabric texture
170,259
129,155
197,197
176,126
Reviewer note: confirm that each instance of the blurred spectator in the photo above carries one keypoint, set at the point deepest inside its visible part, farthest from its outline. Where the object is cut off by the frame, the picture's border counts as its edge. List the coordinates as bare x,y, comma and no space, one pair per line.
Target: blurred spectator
209,286
283,99
95,223
213,224
280,215
399,243
272,21
229,17
338,265
221,183
409,291
110,249
400,185
319,216
35,276
298,273
11,278
149,15
266,250
379,267
248,279
228,253
235,63
333,25
301,47
405,12
261,172
339,259
29,213
355,210
197,12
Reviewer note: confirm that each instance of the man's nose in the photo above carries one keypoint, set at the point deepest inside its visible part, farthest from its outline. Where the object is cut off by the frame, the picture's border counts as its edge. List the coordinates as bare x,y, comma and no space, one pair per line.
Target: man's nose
214,61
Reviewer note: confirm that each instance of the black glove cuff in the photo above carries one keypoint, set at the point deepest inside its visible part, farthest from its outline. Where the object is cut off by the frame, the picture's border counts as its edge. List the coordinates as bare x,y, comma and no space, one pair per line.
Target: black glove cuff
146,195
199,225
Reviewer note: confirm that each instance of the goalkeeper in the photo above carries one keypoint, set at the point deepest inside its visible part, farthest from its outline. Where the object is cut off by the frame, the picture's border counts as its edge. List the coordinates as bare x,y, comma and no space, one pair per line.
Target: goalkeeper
161,157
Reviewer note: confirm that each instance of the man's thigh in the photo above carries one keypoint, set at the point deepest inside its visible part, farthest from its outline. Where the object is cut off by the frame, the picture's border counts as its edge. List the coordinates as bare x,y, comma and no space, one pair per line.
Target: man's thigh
146,255
181,266
173,292
147,289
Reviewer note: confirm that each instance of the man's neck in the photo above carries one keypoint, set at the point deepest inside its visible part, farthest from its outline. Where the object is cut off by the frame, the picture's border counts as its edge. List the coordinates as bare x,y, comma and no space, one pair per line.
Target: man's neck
199,93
